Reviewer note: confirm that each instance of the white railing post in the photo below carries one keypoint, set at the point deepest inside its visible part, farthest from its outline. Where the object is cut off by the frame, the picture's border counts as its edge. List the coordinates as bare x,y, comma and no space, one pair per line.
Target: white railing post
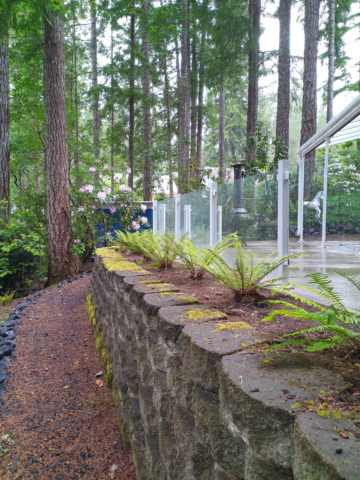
324,205
187,212
283,212
213,213
155,222
177,216
162,218
219,223
301,199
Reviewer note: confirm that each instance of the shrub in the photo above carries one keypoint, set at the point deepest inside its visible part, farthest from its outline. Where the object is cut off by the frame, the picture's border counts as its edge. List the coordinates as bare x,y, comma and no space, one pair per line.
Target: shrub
248,276
342,325
21,253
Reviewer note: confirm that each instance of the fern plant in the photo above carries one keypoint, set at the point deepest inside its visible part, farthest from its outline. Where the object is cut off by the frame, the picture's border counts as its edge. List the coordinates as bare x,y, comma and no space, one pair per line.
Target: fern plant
248,276
5,299
156,248
135,242
341,324
192,259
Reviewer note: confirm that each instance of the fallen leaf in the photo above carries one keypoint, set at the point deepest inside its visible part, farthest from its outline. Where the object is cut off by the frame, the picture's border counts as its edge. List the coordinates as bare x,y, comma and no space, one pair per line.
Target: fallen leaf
113,469
99,383
99,374
335,438
66,386
343,435
207,339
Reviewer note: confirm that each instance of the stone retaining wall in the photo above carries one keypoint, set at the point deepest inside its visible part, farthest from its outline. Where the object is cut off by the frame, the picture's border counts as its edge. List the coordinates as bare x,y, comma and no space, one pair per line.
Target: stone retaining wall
192,403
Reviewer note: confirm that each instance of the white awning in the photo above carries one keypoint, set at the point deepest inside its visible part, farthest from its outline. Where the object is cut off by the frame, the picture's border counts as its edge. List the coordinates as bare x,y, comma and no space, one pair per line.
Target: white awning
344,127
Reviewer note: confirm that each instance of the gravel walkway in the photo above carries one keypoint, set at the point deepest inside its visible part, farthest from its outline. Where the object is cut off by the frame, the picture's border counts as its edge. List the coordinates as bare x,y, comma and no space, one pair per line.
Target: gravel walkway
56,421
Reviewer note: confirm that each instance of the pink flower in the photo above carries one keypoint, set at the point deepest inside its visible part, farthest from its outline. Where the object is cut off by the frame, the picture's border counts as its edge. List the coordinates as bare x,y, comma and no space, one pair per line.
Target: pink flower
108,233
89,188
101,195
122,205
122,188
82,189
112,210
143,207
128,189
81,209
115,197
106,166
98,160
128,171
77,240
144,220
107,190
135,225
92,169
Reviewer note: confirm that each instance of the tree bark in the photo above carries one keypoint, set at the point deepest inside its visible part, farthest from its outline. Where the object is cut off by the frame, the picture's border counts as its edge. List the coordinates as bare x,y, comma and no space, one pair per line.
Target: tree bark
168,124
331,64
222,169
309,104
96,117
200,104
4,128
183,141
253,86
194,85
146,103
283,96
76,101
112,111
132,102
58,203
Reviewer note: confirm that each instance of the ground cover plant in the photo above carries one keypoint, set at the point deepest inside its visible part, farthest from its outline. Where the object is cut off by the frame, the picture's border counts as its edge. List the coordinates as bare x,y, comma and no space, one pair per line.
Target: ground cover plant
340,324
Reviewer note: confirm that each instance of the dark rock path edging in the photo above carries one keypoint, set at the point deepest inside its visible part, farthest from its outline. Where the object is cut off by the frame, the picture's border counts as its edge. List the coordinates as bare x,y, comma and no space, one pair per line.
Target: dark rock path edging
193,404
7,332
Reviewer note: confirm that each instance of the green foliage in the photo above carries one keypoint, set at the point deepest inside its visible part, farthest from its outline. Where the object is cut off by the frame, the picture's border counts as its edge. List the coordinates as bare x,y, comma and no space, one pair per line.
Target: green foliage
248,276
193,259
21,253
137,242
5,299
342,325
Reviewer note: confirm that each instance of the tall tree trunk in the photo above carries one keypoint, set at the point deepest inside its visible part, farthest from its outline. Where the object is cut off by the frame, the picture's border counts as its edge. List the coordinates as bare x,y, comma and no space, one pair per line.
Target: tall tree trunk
4,128
331,64
222,170
309,104
96,118
194,84
168,125
146,102
58,202
253,86
76,98
283,96
112,111
132,102
200,103
188,101
183,147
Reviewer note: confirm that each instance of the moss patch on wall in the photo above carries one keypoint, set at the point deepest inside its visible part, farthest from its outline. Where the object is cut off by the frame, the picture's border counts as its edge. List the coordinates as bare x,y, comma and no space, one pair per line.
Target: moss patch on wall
232,326
197,314
117,263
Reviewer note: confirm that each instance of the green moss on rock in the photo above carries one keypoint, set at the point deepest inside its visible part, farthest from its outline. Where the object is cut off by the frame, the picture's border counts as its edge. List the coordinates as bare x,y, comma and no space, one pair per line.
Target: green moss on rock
197,314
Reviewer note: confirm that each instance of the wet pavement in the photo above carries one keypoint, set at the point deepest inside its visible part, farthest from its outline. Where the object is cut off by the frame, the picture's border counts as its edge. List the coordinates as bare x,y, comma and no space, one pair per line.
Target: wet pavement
333,258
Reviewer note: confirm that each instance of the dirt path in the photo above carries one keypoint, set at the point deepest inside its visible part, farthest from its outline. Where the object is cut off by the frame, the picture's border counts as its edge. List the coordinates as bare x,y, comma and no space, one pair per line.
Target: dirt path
56,422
